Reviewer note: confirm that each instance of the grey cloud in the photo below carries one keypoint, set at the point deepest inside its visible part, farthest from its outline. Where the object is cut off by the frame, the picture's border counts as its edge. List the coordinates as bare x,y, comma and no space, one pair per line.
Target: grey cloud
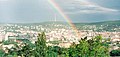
82,6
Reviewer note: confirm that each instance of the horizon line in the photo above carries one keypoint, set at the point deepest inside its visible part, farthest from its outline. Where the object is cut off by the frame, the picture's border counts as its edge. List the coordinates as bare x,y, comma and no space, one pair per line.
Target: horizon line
53,21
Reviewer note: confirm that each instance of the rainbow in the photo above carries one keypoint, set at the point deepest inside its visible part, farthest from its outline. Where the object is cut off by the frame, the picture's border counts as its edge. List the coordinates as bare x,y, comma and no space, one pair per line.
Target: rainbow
61,12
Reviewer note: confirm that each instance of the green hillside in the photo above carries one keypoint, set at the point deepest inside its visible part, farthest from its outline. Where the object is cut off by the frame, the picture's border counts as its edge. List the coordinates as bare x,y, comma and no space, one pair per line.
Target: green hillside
100,26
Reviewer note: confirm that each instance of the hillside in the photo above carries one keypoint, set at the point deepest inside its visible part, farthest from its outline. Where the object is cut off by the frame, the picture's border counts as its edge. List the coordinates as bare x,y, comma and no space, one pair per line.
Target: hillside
100,26
97,26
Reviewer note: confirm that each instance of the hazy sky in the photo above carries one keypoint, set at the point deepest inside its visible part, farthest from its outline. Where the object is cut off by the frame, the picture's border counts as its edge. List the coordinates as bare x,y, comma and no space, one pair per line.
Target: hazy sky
31,11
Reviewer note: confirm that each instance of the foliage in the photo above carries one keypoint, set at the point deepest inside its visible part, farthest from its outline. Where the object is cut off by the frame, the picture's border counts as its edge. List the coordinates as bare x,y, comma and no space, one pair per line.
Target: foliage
90,48
54,42
40,46
115,53
8,42
94,47
1,53
25,51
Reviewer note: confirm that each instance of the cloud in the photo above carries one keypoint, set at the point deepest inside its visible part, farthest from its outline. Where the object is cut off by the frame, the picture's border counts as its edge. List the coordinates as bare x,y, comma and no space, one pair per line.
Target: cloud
4,0
83,6
31,11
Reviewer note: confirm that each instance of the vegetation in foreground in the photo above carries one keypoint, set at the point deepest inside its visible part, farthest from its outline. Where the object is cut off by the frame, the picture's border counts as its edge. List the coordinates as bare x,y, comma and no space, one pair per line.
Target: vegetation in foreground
87,48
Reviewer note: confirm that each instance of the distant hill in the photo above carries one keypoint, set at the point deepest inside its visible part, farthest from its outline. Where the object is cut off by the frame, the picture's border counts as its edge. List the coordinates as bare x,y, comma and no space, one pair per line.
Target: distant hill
116,22
100,26
97,26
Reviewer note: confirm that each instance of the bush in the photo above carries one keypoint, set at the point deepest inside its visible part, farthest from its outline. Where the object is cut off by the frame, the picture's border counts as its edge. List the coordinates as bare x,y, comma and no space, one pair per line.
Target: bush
115,53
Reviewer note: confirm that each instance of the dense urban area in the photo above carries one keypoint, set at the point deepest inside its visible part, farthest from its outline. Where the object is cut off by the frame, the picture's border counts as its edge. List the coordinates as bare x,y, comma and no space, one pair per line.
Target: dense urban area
59,35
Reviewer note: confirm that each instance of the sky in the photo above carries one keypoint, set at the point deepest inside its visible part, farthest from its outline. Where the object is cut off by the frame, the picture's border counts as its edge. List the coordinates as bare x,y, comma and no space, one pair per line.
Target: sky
35,11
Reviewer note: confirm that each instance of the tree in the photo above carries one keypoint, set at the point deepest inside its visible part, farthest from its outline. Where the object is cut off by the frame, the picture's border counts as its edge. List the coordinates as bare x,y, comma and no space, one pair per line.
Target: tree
51,51
115,52
26,51
94,47
40,46
1,53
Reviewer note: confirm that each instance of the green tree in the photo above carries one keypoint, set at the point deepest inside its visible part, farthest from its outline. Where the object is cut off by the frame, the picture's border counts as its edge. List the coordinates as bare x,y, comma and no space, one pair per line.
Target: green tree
94,47
1,53
115,52
51,52
40,46
26,51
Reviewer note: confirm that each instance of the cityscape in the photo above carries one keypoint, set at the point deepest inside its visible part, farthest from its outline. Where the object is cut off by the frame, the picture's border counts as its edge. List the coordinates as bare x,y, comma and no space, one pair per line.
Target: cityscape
58,32
59,28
